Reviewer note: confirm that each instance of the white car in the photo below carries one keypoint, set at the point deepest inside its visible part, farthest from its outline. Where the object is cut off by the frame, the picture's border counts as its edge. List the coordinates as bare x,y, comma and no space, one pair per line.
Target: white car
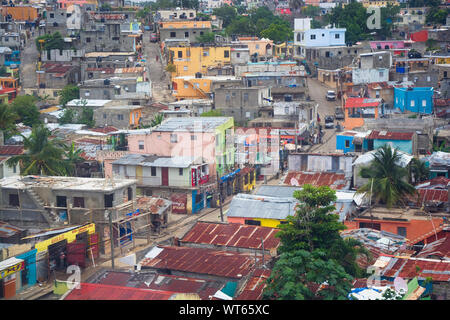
331,95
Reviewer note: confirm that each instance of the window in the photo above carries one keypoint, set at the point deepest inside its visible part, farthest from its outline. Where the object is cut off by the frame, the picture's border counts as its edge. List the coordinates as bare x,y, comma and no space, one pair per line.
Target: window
401,231
104,116
257,46
141,144
377,93
323,34
52,15
245,97
337,35
424,103
227,97
413,103
88,40
298,37
238,55
286,110
78,202
120,117
173,34
180,171
313,37
87,93
153,171
226,54
173,138
186,34
186,86
109,199
428,78
253,222
180,54
381,74
193,137
347,143
14,200
201,33
61,201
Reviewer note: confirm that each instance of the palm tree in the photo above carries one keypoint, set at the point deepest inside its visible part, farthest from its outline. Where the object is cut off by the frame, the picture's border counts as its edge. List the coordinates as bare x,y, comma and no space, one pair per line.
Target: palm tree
419,171
43,156
72,157
7,119
157,120
387,181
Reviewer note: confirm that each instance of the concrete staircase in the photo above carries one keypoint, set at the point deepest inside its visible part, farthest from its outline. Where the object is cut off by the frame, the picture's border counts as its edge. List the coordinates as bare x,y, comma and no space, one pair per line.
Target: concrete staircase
51,217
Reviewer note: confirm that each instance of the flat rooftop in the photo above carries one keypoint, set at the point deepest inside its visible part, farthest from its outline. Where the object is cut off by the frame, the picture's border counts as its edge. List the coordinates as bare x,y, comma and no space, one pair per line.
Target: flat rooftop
65,183
395,214
192,124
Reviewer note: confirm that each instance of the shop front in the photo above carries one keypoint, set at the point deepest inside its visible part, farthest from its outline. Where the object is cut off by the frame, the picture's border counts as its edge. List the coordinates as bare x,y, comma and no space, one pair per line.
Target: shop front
9,276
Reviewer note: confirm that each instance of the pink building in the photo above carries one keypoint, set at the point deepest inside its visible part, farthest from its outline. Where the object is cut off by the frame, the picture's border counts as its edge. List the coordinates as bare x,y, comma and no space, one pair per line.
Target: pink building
63,4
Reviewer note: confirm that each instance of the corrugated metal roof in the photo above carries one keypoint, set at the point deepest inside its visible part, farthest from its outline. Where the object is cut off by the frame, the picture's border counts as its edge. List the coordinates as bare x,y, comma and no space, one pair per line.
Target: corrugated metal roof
232,235
254,287
334,180
368,157
7,230
253,206
155,161
409,268
353,102
439,248
203,261
94,291
11,150
192,124
390,135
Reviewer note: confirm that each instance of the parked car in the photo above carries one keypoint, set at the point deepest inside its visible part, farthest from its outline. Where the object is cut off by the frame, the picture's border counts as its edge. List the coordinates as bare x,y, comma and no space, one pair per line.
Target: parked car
413,54
339,113
329,122
331,95
153,37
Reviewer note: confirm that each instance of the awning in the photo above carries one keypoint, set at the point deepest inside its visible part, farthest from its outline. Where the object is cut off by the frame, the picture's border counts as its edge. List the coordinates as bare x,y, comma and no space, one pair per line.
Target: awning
10,266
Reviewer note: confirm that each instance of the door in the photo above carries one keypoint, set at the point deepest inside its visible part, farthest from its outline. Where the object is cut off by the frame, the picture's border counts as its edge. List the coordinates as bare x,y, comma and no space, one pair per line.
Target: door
165,176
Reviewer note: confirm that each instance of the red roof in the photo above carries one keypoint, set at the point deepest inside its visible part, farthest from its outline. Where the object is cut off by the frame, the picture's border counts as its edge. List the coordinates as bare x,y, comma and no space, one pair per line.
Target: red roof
361,102
107,129
420,36
410,268
202,261
11,150
335,181
390,135
441,102
440,248
254,287
430,195
94,291
162,282
232,235
437,181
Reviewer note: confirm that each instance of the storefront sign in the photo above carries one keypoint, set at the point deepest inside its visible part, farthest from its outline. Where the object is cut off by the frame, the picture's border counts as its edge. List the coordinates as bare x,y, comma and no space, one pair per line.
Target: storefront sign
12,269
179,203
70,236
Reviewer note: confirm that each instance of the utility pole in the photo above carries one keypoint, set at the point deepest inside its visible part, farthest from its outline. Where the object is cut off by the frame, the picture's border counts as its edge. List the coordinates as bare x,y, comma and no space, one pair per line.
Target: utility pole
370,202
111,239
263,262
220,196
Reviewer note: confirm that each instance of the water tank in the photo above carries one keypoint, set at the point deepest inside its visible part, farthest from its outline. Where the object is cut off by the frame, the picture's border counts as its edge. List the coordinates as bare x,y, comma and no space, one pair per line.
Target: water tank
198,75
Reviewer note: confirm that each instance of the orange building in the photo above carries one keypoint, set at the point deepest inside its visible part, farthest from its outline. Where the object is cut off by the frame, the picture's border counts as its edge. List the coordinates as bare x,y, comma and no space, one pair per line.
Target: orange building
20,13
358,109
413,224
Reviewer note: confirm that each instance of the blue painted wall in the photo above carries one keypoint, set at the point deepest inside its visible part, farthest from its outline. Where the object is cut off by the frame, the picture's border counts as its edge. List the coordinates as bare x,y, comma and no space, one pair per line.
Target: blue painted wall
30,264
402,145
420,96
340,143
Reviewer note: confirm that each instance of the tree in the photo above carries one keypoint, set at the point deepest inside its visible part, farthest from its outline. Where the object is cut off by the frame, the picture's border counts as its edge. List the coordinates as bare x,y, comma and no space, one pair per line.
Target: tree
105,7
207,37
51,41
226,13
157,120
314,226
72,157
419,171
7,120
297,275
25,108
86,117
387,179
68,116
435,15
171,68
68,93
311,11
3,72
278,32
43,156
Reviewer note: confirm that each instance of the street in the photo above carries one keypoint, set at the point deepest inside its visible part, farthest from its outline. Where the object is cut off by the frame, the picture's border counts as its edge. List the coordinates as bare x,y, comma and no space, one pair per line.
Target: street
317,92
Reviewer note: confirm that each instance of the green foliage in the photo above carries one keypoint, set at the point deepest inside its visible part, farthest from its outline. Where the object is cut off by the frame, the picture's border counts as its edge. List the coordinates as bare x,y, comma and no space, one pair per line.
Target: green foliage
3,72
68,116
212,113
157,120
278,32
226,13
143,13
311,11
105,7
390,294
435,15
87,117
43,155
72,157
7,120
419,170
207,37
25,108
298,274
387,179
52,41
68,93
171,68
423,3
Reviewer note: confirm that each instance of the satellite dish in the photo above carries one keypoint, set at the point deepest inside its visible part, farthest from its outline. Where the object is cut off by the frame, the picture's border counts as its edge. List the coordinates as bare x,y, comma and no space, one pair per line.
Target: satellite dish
400,285
294,182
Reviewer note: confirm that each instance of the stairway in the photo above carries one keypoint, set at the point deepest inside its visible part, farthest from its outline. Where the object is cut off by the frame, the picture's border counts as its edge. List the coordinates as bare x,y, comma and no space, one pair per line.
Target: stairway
51,217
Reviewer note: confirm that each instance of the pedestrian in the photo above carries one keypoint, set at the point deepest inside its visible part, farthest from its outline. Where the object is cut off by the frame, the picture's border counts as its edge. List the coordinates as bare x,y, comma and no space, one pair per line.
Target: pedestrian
168,86
62,260
157,58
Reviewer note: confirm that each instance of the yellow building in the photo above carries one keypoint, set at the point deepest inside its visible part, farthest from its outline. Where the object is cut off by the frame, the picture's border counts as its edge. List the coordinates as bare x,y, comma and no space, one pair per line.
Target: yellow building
262,47
190,87
191,60
378,3
280,50
187,24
